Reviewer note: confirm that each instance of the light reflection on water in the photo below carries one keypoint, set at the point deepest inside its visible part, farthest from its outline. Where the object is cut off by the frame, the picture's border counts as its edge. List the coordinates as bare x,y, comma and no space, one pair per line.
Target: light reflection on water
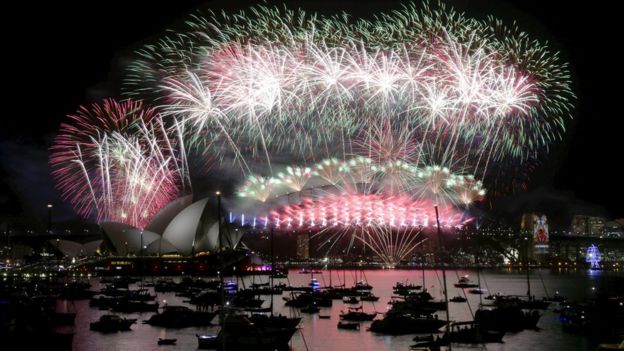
322,334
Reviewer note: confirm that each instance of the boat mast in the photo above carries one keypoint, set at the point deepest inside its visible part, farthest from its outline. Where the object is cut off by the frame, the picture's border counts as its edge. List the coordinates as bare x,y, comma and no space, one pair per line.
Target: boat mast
142,260
222,311
272,269
479,280
527,269
330,274
448,322
424,288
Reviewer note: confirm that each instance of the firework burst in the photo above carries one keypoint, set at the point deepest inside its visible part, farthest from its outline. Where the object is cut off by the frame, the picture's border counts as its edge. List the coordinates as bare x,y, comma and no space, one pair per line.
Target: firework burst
477,89
116,162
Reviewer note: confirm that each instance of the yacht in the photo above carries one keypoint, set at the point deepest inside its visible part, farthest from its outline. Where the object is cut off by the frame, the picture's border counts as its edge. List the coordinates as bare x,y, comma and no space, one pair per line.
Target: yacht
110,323
240,333
464,282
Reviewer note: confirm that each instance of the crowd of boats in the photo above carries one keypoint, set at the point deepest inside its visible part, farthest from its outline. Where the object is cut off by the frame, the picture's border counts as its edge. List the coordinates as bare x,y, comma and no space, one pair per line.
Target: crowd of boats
27,314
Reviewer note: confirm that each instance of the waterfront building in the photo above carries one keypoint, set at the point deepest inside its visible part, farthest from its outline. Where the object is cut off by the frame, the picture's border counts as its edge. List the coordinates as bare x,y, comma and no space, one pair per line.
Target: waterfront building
583,225
614,229
536,226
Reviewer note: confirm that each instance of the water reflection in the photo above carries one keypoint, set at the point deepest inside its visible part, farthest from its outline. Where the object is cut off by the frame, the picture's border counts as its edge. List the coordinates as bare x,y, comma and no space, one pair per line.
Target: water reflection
322,334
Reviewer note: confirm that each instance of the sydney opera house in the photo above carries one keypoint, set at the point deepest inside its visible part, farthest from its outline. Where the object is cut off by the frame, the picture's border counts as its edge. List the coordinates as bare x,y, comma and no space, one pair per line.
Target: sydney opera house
183,227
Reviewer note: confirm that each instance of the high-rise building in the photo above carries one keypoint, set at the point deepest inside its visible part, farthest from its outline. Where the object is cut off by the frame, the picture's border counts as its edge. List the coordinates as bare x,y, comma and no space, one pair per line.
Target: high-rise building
587,226
526,223
536,226
303,246
614,229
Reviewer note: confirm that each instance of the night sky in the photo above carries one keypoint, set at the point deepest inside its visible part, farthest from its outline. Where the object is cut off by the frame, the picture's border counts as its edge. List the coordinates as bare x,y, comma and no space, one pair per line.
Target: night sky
57,56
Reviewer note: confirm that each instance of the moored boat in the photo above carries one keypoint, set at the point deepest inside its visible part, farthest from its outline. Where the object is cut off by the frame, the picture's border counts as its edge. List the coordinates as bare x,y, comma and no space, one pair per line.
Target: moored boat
349,326
110,323
458,299
356,314
395,323
464,282
241,333
310,309
180,317
167,341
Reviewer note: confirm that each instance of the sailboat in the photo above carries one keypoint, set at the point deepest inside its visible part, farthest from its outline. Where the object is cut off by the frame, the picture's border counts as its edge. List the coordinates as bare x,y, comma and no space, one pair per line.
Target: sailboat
460,332
414,315
357,314
337,292
471,332
362,284
241,332
509,313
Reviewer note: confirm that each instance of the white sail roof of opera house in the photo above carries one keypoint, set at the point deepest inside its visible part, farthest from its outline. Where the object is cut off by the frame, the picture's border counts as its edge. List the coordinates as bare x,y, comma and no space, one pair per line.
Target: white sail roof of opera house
91,247
119,234
168,213
161,246
231,236
73,248
196,229
190,227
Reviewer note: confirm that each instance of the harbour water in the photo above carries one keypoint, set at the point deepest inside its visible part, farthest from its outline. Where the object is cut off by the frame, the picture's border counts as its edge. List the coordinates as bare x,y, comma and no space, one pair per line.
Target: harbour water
322,334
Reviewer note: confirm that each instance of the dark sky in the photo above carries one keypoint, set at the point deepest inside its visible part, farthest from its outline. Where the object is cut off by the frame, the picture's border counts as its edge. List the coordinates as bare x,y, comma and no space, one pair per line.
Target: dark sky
58,55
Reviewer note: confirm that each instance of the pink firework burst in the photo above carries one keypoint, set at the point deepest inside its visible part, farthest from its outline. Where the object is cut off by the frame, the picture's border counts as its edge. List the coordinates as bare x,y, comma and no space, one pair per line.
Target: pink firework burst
387,224
363,210
115,161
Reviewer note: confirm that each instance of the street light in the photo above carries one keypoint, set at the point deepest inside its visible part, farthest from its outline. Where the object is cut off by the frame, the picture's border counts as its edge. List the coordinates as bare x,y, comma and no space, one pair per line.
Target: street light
58,242
49,206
